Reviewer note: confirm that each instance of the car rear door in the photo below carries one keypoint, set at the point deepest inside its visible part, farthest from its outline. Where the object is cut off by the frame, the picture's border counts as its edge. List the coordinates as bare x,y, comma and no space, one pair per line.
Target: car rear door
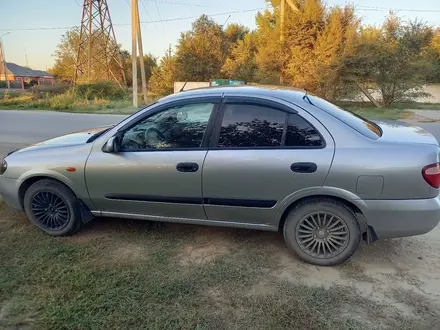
261,152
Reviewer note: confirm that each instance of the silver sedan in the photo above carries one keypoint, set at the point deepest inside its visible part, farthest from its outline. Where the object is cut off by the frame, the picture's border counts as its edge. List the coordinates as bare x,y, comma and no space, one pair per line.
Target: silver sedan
257,158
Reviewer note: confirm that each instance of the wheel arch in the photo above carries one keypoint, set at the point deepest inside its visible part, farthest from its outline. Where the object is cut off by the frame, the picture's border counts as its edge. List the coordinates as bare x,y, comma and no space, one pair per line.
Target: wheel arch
31,179
359,214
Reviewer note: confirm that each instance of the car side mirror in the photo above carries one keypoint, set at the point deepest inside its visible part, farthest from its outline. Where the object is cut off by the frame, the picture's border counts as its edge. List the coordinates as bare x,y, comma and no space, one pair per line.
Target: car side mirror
112,145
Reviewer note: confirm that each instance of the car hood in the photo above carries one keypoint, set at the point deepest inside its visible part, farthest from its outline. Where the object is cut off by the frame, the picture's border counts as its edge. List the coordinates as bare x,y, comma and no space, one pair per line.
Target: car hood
396,131
71,139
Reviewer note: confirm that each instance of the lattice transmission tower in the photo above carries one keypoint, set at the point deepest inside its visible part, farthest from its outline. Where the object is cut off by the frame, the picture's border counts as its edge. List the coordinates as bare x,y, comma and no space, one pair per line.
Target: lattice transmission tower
98,56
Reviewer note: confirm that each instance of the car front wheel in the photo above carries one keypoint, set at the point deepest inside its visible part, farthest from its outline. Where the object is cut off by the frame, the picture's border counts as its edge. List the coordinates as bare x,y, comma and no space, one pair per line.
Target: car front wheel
323,232
53,207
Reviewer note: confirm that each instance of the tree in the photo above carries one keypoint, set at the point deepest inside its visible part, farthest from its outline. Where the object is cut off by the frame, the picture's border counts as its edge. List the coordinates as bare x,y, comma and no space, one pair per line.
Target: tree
315,38
201,51
240,63
163,76
434,55
392,60
150,63
267,57
67,51
65,56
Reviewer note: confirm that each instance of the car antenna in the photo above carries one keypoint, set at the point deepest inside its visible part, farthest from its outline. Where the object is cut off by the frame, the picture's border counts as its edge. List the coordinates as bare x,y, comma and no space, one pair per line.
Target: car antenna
181,90
306,97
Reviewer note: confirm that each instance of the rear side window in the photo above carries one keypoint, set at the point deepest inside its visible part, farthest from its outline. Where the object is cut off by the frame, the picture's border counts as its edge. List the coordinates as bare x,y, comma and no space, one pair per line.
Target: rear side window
248,126
301,134
360,124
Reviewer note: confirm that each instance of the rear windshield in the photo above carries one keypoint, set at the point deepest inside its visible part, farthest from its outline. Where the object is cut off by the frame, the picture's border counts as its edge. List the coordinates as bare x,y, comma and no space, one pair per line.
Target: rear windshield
360,124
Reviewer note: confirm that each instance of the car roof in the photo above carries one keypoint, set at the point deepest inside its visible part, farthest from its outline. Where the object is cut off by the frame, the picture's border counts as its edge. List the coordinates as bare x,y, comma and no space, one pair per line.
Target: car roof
282,92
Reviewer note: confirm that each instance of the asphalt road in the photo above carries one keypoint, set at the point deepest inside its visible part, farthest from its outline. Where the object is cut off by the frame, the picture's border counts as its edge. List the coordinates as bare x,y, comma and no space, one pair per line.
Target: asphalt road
21,128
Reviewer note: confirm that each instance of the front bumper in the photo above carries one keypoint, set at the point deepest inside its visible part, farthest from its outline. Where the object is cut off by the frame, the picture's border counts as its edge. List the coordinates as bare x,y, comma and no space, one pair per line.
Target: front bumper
9,192
400,218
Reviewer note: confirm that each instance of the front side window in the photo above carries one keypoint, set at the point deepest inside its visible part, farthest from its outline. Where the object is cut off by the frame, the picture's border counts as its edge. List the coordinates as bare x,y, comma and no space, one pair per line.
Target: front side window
246,125
179,127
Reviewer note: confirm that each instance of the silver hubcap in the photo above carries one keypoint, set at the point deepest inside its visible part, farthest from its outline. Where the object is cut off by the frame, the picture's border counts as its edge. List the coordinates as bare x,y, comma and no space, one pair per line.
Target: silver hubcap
322,234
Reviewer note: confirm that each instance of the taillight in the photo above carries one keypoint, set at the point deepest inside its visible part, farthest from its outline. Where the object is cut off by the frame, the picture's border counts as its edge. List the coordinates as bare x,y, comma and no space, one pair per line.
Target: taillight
431,174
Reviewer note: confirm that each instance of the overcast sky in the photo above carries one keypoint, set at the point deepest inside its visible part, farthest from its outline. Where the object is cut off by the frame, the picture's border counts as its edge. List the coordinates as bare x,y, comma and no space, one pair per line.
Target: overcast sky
40,43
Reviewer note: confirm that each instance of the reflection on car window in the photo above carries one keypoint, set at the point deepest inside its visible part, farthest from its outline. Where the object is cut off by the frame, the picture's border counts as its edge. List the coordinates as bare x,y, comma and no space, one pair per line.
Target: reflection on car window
360,124
301,134
246,125
178,127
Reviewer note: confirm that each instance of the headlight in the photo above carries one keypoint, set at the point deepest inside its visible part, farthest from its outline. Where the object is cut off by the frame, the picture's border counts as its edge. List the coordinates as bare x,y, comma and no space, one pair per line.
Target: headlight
3,167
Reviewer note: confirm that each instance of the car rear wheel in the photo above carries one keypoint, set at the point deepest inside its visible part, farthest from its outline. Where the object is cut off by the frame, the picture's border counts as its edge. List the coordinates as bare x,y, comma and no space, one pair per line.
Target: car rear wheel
323,232
53,207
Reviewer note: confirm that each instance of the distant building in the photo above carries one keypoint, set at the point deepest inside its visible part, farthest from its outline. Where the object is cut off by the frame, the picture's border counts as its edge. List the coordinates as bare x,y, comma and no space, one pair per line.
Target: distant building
20,73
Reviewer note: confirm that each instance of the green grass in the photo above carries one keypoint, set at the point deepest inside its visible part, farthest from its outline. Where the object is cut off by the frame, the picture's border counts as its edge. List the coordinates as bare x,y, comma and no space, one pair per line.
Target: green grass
119,274
375,113
398,110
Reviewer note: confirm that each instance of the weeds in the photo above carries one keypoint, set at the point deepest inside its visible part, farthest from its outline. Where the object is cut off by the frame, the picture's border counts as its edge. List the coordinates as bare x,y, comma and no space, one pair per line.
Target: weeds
128,275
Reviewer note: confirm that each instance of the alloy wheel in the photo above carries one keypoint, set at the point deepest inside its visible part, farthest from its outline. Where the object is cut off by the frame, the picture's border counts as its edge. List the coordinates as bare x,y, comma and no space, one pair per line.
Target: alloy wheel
50,210
322,234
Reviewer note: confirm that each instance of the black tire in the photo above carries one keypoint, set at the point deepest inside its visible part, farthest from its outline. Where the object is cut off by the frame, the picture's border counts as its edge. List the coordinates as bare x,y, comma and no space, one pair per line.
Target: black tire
70,222
298,233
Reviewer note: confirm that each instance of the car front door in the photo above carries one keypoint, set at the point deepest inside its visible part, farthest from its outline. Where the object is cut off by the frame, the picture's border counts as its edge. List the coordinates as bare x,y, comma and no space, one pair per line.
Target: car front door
261,153
157,170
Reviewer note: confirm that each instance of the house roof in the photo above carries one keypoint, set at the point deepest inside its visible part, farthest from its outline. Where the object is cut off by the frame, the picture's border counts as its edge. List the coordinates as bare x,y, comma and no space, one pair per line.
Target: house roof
18,70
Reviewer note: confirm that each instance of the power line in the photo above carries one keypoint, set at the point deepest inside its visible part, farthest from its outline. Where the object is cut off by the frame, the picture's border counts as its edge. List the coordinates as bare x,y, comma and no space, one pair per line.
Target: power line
182,4
371,8
158,13
145,8
145,22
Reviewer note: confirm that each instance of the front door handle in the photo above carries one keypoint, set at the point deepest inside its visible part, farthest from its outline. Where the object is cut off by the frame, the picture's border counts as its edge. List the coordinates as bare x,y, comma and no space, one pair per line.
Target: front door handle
187,167
304,167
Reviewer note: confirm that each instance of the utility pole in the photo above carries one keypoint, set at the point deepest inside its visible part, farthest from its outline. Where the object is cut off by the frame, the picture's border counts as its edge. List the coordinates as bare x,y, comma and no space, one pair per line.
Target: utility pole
134,51
281,36
25,55
3,59
282,14
169,50
141,55
282,22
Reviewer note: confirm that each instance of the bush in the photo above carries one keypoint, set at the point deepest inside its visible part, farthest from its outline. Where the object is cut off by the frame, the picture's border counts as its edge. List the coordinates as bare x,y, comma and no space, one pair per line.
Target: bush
100,90
43,90
3,84
62,101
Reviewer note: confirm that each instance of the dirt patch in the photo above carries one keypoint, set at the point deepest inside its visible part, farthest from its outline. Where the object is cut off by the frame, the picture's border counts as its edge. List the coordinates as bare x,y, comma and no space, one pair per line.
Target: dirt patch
202,254
129,252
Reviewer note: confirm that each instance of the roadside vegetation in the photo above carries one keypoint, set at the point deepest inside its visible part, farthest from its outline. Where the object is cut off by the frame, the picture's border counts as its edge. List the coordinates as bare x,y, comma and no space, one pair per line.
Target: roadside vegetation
95,97
109,98
326,50
121,274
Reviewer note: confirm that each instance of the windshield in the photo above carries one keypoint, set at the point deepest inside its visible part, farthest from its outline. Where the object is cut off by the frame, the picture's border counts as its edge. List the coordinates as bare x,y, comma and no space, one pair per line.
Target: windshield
359,123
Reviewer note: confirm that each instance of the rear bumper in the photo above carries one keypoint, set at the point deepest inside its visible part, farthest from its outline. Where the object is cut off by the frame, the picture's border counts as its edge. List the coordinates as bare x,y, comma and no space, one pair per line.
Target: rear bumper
9,192
400,218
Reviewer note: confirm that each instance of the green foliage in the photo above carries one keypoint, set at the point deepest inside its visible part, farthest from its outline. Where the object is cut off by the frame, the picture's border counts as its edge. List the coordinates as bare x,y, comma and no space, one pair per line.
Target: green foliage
163,77
392,60
201,51
3,84
102,90
43,90
240,63
66,55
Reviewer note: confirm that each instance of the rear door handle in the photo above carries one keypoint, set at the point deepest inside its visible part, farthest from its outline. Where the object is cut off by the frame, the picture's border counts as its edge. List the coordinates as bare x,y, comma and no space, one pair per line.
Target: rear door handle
187,167
304,167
